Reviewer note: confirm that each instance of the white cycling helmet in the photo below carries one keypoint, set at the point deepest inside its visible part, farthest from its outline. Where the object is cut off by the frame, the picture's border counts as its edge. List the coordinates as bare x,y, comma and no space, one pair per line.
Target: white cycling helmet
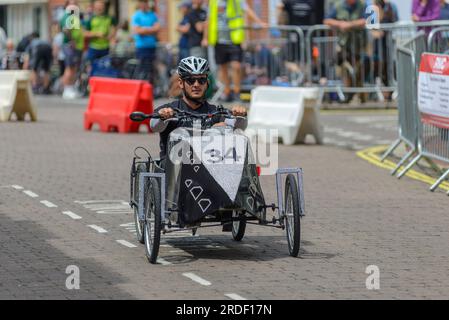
193,66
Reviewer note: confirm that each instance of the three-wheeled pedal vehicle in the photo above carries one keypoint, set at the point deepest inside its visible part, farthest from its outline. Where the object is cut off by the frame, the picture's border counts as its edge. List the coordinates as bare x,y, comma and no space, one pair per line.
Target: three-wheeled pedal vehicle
208,178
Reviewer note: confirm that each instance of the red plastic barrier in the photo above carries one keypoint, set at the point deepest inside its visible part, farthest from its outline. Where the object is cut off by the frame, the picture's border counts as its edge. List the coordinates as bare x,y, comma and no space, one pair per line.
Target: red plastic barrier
111,102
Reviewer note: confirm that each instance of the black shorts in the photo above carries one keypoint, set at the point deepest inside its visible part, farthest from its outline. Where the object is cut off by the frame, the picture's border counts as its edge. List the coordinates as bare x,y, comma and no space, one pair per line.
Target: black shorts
225,53
42,58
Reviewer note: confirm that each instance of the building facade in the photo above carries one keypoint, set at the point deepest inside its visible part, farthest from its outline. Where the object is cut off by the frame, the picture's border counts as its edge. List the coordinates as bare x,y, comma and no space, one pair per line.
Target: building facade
21,17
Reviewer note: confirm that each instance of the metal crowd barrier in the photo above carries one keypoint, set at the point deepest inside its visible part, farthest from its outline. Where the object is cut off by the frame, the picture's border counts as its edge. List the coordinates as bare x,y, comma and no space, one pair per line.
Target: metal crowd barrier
439,40
273,55
426,137
407,55
362,61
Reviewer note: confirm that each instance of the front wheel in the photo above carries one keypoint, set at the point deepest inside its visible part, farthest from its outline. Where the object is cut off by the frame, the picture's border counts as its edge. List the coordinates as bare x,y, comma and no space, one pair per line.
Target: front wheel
292,215
153,223
238,227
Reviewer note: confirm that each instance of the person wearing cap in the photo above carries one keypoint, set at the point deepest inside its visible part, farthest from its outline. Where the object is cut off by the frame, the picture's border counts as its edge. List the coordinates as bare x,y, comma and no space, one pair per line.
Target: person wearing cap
193,79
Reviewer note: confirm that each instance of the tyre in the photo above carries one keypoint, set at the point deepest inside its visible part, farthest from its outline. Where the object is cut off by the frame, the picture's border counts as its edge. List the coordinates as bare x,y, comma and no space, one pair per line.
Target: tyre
238,227
292,215
139,225
153,223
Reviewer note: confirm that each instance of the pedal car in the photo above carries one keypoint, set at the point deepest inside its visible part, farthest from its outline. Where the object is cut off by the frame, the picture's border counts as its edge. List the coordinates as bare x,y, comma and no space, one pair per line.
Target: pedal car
208,178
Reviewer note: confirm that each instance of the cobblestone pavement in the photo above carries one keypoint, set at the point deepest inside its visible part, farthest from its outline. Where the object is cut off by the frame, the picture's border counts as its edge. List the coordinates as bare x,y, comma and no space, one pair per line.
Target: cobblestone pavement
62,203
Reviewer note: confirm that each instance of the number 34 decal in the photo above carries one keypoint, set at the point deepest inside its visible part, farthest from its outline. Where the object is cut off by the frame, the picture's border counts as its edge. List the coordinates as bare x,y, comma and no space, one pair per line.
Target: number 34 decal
216,156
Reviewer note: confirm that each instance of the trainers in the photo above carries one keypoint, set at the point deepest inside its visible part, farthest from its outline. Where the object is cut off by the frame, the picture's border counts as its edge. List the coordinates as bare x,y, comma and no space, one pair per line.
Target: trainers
71,93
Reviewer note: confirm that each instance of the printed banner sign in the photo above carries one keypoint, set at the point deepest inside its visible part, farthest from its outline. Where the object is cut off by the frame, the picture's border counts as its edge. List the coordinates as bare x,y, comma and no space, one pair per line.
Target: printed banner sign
433,89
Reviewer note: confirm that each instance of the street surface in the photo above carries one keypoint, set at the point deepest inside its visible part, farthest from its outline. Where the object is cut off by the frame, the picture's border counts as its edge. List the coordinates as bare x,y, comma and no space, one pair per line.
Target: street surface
64,196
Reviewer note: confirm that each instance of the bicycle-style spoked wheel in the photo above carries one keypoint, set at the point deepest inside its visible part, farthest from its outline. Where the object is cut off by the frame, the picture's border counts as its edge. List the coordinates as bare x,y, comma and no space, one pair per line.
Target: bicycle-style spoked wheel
153,223
139,224
292,215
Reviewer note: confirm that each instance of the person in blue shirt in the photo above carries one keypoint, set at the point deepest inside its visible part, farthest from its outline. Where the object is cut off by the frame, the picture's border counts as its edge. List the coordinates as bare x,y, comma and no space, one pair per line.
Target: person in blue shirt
444,12
183,28
145,27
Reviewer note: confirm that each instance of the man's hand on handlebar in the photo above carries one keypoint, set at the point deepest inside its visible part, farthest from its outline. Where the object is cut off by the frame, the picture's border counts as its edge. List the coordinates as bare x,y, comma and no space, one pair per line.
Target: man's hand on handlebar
239,111
166,113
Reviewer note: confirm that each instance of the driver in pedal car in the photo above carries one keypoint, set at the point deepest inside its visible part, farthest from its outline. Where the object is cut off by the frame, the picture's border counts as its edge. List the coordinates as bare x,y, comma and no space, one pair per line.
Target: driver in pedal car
193,79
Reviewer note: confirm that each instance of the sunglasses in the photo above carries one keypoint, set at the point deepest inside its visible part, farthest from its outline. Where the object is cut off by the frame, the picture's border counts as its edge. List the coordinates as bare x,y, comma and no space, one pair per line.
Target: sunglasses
191,81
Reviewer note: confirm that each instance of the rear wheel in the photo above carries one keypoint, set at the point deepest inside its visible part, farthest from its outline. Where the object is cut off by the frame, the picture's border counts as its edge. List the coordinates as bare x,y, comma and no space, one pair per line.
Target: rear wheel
292,215
153,224
238,227
139,224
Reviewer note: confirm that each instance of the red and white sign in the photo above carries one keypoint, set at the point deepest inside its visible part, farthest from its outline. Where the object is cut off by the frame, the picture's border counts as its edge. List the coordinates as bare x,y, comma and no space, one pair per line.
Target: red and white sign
433,89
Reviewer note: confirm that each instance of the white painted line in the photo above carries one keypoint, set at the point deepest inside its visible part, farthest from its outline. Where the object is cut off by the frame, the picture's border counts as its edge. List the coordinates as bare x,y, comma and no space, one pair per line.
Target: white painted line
98,201
114,212
17,187
126,244
72,215
196,278
364,137
30,194
163,262
379,142
234,296
48,204
97,228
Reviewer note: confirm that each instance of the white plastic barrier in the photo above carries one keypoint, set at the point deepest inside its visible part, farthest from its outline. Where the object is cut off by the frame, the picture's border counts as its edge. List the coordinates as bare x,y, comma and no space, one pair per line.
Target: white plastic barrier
294,112
16,95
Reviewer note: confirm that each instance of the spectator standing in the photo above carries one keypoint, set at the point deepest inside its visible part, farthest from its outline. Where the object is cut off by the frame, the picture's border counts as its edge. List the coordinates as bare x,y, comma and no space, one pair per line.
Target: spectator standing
348,17
58,52
298,13
39,59
301,12
425,10
123,45
387,14
73,48
11,59
225,31
100,30
2,42
145,27
444,11
21,47
183,28
197,22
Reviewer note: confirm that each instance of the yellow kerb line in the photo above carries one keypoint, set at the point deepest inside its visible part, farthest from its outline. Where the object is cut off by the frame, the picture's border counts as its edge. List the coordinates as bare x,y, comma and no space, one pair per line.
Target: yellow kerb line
372,156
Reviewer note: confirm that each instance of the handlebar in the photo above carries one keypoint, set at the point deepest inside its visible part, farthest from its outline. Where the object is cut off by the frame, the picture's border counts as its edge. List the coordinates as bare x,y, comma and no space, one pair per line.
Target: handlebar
181,114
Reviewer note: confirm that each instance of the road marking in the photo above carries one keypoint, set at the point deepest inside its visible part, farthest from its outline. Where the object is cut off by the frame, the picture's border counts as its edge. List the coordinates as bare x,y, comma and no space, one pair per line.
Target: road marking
126,244
372,119
163,262
196,278
48,204
234,296
72,215
131,227
107,206
30,194
17,187
97,228
372,156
